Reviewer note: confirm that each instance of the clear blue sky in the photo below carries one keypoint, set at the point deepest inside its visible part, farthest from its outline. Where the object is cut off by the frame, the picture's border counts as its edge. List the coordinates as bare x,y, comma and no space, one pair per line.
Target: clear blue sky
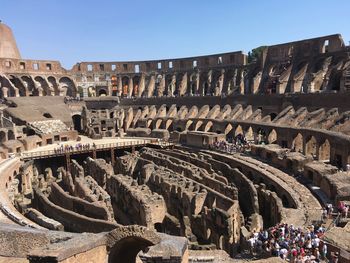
99,30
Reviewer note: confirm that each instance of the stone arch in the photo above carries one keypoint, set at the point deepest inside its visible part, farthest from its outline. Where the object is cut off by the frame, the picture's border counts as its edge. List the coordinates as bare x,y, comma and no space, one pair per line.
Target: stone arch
77,122
158,123
29,86
11,135
136,85
198,125
228,128
188,125
297,144
3,137
125,85
127,249
193,88
324,151
273,115
249,134
53,83
272,138
169,124
170,82
124,243
18,83
91,91
67,87
102,92
261,135
238,130
43,85
285,202
311,146
208,126
206,88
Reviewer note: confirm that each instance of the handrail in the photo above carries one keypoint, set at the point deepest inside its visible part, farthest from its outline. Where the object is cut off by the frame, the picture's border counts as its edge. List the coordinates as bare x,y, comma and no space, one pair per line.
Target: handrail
74,149
334,222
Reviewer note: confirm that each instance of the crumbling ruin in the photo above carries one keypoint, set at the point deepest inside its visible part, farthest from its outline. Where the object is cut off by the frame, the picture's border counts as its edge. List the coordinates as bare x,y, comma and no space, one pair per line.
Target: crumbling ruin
177,160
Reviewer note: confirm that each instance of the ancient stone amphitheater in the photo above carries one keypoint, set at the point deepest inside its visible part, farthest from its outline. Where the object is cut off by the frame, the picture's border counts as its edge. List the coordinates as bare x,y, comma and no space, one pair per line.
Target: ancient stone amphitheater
175,160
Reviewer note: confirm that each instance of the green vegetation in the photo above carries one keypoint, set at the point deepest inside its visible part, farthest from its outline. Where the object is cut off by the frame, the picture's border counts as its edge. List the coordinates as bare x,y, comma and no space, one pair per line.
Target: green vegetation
255,53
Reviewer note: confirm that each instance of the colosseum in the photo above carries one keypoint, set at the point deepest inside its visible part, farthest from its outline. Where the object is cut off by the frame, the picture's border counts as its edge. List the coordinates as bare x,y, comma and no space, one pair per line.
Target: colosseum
220,158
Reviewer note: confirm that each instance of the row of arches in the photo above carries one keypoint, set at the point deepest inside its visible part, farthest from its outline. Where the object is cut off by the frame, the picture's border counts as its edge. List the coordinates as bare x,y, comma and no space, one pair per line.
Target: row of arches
319,149
7,135
212,82
26,85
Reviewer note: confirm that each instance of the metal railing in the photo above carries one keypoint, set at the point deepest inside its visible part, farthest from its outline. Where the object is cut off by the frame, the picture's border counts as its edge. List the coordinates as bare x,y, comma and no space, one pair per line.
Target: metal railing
76,149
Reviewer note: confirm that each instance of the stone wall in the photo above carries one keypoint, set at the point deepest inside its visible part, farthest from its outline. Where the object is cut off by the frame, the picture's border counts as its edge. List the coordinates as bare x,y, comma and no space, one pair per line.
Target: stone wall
72,221
78,205
135,204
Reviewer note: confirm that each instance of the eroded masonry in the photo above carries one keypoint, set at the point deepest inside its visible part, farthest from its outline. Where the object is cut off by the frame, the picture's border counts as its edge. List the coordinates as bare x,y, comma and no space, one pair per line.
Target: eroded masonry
200,159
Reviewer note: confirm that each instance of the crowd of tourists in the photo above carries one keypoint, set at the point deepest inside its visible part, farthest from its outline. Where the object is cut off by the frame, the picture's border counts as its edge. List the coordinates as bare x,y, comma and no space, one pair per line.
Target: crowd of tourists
290,243
71,148
72,99
342,211
232,145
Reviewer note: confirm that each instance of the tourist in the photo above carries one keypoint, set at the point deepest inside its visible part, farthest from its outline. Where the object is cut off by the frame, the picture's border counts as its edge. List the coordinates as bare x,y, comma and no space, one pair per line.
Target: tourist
290,243
335,257
324,251
346,211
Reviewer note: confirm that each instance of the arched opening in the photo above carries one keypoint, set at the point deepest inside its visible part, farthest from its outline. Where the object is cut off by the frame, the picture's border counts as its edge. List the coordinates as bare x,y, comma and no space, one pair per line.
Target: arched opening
249,134
297,144
169,125
53,84
136,83
208,126
43,86
77,122
2,136
91,91
193,88
158,227
228,128
324,151
206,90
81,92
272,138
158,123
336,80
127,249
11,135
238,130
18,84
125,85
273,116
285,201
102,92
29,85
67,83
47,115
188,125
261,136
310,147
